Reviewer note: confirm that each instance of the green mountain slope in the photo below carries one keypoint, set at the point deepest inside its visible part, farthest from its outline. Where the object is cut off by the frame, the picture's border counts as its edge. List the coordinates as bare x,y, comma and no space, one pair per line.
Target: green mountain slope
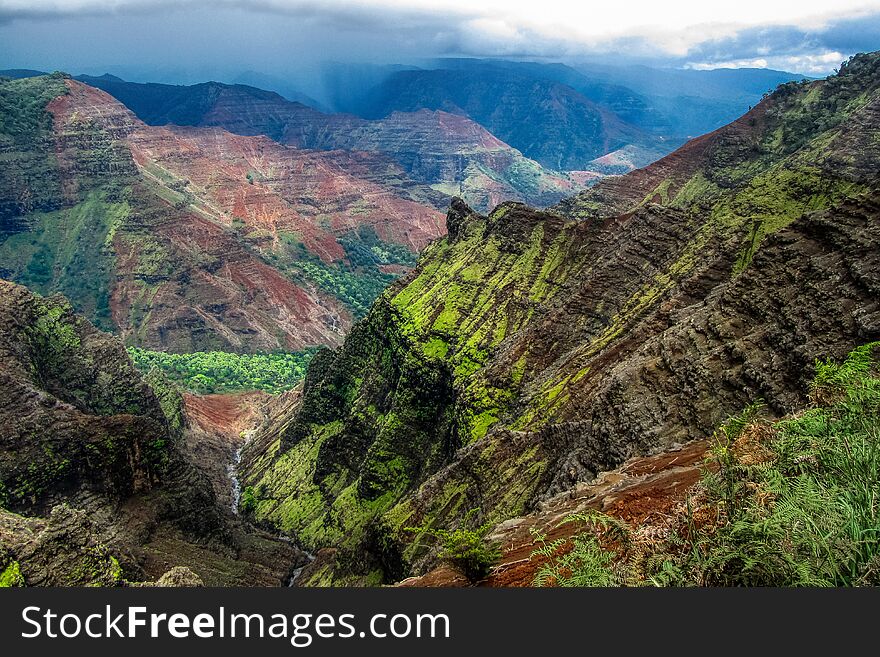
67,225
531,350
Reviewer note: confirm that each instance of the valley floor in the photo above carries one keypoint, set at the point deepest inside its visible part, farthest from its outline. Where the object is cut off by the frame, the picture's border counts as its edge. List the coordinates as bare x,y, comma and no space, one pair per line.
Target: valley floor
220,425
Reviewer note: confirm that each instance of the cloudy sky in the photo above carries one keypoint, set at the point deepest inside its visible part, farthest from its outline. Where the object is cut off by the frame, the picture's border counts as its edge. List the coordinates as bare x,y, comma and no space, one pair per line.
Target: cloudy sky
196,38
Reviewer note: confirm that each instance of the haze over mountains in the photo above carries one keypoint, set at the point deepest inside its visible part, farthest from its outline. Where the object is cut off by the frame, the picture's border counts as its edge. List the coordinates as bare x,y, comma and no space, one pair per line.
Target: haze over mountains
229,217
565,117
562,117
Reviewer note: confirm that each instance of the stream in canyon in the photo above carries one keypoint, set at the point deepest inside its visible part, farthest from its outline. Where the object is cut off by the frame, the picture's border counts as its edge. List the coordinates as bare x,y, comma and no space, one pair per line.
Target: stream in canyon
235,494
232,472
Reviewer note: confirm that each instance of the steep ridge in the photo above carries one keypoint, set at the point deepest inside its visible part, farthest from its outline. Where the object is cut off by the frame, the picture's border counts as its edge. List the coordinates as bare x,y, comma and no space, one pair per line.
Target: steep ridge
598,117
548,121
204,239
95,484
776,139
728,511
451,153
531,350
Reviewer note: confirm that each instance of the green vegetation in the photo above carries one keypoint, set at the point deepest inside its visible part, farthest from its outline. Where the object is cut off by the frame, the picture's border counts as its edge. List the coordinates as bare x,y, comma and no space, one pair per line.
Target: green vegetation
380,415
29,177
221,371
23,103
806,158
356,290
11,576
69,251
467,550
170,401
54,239
785,504
248,502
353,450
586,562
496,337
363,248
358,280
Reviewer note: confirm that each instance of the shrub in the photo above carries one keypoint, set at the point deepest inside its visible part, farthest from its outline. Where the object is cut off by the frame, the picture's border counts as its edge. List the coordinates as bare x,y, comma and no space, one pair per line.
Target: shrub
787,504
248,501
467,550
582,561
11,576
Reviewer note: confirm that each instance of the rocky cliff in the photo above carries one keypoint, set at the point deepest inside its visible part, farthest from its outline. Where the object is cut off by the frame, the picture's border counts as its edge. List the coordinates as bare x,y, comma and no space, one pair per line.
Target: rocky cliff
531,350
96,486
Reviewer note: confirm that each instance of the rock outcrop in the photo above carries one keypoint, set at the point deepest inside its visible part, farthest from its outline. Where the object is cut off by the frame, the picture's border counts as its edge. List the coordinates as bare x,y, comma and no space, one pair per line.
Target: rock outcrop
96,482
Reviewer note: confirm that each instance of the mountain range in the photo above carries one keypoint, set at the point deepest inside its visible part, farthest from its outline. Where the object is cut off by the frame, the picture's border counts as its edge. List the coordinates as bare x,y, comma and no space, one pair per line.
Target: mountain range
227,217
451,153
191,239
566,118
531,350
482,374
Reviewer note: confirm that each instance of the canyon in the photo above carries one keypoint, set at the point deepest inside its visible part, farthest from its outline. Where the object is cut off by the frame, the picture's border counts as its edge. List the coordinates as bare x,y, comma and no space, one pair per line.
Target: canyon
531,350
101,482
196,239
504,366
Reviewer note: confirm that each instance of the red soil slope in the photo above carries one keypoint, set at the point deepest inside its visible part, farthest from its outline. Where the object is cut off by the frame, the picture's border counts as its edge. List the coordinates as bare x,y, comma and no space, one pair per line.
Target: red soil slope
642,491
213,214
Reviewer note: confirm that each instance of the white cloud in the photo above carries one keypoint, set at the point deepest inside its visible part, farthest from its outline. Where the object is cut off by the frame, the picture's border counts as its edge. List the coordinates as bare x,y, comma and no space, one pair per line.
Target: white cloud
674,23
809,64
735,63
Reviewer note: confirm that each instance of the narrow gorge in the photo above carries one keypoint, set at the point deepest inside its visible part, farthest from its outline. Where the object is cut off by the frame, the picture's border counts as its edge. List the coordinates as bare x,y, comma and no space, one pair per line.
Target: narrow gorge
247,342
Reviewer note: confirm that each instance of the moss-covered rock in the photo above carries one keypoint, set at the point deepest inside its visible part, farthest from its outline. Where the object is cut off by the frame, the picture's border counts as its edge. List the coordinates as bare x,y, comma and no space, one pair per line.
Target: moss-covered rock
531,350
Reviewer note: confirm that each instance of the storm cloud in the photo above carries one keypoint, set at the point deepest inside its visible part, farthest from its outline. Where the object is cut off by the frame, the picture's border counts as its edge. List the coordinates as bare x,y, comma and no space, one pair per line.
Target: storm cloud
187,41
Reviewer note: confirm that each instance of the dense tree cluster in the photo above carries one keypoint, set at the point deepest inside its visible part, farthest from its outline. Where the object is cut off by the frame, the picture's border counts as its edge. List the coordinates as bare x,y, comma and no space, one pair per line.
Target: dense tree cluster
221,371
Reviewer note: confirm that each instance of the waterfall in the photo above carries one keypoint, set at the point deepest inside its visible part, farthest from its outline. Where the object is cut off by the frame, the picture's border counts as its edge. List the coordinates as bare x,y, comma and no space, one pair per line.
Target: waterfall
232,472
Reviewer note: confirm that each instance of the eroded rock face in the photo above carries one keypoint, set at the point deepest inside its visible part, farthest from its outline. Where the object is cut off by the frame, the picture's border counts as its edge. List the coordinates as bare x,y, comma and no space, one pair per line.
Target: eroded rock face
62,550
195,239
434,149
75,412
96,481
532,350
